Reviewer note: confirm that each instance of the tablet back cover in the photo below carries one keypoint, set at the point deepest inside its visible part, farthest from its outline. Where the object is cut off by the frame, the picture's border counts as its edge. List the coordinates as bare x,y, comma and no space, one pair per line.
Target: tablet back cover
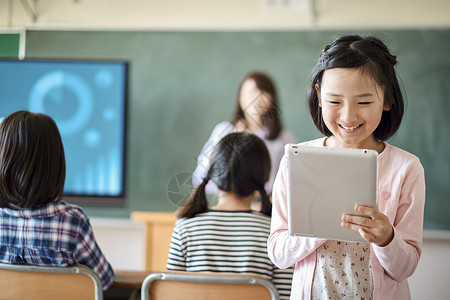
323,184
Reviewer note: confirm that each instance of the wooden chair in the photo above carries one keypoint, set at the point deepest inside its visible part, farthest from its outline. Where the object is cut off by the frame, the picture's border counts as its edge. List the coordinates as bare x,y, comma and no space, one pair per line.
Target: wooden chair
23,282
173,285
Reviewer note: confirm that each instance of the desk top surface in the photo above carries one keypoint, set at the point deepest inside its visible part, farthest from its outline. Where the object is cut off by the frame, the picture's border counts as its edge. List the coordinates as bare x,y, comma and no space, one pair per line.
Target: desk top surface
130,279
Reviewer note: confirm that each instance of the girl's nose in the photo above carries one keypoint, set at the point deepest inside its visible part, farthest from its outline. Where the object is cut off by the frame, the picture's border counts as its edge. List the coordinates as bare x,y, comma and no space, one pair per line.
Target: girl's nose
349,114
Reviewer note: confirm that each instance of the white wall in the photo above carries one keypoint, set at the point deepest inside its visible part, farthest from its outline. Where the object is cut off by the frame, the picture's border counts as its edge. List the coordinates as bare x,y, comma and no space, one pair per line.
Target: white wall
207,14
121,241
431,279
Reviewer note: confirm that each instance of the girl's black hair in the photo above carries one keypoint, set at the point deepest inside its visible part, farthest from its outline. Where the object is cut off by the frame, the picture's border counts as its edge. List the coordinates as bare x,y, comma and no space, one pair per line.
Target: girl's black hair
370,55
240,165
32,162
271,119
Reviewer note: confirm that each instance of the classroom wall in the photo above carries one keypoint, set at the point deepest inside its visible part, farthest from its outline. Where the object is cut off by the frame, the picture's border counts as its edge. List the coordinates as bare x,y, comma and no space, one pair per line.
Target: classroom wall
431,278
207,14
121,241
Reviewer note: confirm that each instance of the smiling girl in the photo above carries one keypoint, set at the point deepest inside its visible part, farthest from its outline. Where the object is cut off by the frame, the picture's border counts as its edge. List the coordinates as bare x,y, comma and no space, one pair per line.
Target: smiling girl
355,101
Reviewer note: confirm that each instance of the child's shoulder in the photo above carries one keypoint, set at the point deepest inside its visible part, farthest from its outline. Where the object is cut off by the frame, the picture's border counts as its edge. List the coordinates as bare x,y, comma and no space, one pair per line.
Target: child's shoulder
398,153
398,157
223,216
69,210
50,209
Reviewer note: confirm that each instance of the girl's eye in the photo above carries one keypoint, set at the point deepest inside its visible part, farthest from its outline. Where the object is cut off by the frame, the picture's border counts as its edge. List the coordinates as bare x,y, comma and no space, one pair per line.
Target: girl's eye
333,102
364,103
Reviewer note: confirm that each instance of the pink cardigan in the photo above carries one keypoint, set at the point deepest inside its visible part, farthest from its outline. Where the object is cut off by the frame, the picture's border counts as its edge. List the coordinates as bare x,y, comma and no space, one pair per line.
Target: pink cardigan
401,196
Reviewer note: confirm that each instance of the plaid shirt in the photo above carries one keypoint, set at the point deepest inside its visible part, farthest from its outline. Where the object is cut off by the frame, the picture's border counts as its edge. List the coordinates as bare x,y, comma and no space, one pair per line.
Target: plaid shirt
55,234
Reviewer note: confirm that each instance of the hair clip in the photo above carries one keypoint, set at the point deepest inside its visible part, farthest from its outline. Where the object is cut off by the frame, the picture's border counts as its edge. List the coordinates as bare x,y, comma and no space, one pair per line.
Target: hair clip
390,58
322,60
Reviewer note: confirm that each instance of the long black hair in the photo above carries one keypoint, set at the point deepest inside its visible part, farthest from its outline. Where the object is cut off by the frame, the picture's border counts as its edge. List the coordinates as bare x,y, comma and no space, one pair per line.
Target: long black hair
32,162
241,165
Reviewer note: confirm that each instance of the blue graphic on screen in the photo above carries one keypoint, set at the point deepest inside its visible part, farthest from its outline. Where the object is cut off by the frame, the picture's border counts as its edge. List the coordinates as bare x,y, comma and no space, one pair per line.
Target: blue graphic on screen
87,101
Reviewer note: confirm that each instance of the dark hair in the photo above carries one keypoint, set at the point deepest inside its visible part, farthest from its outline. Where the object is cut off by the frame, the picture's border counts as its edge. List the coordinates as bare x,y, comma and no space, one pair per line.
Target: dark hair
241,165
372,56
32,163
271,119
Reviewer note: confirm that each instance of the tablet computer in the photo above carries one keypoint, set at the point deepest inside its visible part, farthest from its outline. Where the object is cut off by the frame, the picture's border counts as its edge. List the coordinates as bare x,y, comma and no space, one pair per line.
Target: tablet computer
324,183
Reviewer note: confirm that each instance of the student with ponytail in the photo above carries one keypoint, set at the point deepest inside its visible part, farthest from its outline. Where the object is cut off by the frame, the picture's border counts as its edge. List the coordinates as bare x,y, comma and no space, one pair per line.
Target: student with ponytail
229,237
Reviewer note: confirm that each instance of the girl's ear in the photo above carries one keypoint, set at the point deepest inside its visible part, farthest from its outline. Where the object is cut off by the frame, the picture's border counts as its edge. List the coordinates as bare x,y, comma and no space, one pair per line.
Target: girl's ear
386,106
316,86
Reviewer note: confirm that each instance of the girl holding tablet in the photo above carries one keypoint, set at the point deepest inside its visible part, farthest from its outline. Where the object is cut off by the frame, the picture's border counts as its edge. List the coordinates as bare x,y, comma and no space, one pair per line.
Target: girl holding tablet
355,101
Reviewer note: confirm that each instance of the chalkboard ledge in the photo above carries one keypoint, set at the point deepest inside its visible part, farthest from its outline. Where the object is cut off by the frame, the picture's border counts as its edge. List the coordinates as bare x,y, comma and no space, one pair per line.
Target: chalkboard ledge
436,234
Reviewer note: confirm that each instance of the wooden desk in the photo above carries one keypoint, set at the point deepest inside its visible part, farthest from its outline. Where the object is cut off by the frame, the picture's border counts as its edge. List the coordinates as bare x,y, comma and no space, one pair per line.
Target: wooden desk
158,227
129,279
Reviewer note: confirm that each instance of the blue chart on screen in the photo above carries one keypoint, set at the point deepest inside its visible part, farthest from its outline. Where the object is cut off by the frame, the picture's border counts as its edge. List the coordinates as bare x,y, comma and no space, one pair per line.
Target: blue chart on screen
87,102
59,81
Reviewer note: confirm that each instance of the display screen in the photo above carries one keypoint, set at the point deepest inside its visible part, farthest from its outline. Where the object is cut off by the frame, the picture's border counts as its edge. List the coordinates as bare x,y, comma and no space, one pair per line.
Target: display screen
87,100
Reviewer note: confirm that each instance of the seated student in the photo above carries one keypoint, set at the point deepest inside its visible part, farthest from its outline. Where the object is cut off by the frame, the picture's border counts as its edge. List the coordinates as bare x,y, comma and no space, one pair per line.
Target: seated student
229,237
36,226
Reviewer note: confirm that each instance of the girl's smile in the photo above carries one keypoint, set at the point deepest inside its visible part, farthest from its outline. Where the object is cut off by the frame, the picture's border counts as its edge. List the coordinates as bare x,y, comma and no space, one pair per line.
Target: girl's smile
350,129
352,105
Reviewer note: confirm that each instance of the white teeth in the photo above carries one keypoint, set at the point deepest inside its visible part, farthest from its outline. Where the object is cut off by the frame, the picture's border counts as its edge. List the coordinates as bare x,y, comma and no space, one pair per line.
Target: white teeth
350,128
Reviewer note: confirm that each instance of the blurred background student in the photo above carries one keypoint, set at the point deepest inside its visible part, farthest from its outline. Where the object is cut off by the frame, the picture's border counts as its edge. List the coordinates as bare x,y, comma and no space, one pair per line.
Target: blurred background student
229,237
36,226
256,111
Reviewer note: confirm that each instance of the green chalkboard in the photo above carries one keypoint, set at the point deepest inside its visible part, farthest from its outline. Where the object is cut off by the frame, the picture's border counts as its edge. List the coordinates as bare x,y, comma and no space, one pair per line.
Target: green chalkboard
183,83
9,45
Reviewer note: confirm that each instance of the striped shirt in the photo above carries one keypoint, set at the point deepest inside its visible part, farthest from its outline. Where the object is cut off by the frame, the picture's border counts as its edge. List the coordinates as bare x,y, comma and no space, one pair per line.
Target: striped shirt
226,241
55,234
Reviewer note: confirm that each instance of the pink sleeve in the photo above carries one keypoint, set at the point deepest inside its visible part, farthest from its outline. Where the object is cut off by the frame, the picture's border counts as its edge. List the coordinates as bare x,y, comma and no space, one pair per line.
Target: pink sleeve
400,258
285,250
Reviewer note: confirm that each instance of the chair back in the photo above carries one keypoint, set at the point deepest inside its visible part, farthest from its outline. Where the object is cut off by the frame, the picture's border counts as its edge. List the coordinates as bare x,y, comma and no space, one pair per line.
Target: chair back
174,285
23,282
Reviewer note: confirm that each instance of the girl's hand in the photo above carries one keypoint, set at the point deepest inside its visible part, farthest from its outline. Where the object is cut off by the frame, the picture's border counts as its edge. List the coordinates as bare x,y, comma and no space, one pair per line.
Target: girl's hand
375,228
